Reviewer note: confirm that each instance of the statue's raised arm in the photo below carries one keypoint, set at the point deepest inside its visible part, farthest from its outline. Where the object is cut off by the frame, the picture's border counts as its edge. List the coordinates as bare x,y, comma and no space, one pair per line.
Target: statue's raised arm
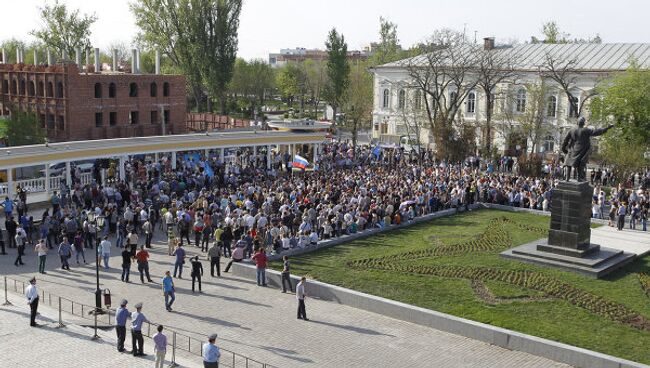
577,147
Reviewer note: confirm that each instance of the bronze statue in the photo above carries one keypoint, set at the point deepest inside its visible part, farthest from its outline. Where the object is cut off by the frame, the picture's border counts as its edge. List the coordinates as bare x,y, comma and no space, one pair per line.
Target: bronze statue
577,148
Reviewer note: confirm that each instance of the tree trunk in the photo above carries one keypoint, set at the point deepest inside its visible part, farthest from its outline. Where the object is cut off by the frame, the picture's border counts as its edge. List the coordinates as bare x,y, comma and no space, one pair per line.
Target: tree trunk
222,103
355,133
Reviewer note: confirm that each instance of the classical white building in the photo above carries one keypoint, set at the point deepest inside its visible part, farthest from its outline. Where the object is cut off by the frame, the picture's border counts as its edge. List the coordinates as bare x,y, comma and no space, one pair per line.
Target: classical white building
398,97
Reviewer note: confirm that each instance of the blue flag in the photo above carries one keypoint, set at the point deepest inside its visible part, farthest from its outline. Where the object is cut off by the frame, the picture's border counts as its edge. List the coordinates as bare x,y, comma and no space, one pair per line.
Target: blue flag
376,151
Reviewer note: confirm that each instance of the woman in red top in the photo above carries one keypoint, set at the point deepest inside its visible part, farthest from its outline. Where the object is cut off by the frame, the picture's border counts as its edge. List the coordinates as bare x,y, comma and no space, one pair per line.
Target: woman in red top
142,258
260,262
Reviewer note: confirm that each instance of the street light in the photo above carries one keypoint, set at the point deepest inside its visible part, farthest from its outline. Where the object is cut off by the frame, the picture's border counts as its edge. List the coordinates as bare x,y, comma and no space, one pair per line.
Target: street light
98,223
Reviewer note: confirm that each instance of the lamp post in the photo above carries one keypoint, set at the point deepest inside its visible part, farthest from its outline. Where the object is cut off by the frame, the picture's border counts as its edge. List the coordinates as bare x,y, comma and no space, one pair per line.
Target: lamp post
98,223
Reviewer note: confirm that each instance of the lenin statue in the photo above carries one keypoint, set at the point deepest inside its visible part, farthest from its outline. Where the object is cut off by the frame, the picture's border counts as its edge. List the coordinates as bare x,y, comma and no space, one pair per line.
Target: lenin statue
577,148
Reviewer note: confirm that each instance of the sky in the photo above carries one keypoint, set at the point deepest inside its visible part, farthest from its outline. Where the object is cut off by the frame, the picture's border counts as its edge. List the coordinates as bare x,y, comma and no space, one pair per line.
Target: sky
269,25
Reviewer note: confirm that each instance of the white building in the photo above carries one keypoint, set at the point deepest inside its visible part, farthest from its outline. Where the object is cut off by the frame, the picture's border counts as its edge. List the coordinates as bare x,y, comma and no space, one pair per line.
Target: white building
398,96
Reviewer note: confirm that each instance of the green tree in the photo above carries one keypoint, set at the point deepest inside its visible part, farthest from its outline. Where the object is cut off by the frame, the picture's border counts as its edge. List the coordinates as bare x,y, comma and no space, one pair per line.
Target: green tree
316,78
552,34
291,82
252,82
338,70
625,102
388,49
358,105
22,128
64,30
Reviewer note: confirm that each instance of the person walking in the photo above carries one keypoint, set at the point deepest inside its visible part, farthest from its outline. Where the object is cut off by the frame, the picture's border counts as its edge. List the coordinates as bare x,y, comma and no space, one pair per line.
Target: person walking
19,240
142,258
301,295
261,261
237,256
121,314
126,264
197,272
41,251
160,347
214,255
286,274
211,353
137,341
171,241
65,252
147,227
132,242
78,245
31,293
11,226
105,250
169,290
179,252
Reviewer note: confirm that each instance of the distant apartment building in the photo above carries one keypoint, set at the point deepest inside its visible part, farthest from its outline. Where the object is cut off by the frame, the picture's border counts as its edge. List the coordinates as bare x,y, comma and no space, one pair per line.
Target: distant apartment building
74,101
301,54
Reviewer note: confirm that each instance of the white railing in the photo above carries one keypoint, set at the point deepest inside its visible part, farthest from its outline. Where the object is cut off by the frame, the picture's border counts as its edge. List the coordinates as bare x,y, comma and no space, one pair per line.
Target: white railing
38,185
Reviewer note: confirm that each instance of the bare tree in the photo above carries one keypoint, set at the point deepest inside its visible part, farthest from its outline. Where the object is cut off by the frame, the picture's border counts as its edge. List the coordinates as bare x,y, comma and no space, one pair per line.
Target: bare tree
565,73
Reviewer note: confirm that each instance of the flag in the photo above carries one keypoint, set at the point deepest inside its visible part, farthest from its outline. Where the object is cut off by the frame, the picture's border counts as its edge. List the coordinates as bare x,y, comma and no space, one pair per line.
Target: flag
299,162
376,151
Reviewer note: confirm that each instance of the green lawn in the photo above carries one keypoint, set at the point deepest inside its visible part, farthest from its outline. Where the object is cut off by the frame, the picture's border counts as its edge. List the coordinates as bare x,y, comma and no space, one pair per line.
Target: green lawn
452,265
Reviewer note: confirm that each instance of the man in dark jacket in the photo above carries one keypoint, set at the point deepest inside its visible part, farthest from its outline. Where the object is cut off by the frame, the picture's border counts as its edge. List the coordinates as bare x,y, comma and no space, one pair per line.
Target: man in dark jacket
197,272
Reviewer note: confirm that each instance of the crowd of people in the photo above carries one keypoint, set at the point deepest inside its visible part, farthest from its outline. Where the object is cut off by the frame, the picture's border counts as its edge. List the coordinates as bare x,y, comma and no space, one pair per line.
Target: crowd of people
242,210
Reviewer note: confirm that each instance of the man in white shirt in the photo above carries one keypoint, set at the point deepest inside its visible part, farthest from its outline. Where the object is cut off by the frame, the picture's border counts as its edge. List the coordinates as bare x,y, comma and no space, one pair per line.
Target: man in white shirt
31,293
301,295
105,250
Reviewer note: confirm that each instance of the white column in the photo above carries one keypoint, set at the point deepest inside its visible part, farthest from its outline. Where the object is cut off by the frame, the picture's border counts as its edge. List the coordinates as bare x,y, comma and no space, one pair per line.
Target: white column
316,148
122,168
47,178
268,157
102,173
174,160
68,175
207,154
156,157
10,183
221,154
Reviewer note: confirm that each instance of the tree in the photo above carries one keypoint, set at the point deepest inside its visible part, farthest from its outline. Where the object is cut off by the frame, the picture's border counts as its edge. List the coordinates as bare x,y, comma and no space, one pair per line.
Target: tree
388,48
552,34
624,101
565,74
358,105
63,30
251,81
291,82
217,31
22,128
316,79
493,68
533,119
338,70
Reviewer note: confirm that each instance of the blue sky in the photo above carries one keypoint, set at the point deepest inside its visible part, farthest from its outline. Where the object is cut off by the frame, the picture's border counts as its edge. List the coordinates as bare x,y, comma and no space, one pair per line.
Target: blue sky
268,25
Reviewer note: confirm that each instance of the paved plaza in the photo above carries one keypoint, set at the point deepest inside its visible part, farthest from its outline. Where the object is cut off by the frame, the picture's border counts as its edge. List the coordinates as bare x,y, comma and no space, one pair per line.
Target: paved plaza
260,322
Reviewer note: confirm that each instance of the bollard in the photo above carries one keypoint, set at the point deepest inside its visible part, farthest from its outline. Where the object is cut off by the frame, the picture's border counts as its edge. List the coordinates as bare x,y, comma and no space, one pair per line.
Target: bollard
95,336
7,302
174,351
233,360
60,316
246,362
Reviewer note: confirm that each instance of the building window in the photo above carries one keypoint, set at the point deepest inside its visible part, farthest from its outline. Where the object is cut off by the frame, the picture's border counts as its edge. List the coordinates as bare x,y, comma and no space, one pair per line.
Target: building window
98,90
59,90
14,87
154,117
99,119
22,87
401,100
453,96
549,144
573,107
50,89
111,90
5,86
384,127
154,90
386,98
551,106
166,117
166,89
50,121
418,100
471,103
133,117
32,88
521,100
61,123
41,89
112,118
133,90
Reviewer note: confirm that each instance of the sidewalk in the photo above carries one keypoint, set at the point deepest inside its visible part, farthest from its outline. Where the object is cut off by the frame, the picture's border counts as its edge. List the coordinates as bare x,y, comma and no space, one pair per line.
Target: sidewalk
71,346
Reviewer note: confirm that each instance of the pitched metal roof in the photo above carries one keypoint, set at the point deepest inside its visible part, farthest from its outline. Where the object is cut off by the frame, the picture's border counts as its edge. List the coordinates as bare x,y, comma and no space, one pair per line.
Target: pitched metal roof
587,57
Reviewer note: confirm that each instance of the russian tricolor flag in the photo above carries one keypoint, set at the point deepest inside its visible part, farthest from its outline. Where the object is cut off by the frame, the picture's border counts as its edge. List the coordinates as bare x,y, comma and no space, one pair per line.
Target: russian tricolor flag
299,162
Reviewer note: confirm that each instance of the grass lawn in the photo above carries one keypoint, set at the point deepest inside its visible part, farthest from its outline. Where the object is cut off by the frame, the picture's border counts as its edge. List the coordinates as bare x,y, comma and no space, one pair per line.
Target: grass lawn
452,265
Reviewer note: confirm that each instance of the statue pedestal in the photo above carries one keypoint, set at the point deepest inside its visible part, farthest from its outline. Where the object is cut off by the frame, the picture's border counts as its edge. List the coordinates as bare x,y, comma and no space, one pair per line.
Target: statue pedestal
568,245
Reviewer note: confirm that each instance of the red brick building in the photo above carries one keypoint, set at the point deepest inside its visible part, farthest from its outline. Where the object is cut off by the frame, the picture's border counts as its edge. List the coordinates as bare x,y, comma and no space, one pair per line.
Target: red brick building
74,105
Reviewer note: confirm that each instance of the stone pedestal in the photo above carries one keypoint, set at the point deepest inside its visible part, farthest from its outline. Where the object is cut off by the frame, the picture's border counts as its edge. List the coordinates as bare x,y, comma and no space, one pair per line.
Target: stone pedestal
568,245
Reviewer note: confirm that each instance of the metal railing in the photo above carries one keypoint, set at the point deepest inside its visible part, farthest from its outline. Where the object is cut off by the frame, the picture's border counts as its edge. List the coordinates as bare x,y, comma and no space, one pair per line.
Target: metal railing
175,340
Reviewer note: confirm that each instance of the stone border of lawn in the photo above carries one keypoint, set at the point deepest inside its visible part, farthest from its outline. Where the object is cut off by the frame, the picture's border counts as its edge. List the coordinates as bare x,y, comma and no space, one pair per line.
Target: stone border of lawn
559,352
366,233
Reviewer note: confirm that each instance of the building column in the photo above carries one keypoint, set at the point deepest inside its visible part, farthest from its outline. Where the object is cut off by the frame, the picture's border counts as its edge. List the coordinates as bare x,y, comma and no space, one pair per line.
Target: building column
207,153
68,175
316,148
47,178
10,183
156,157
174,160
221,155
122,169
268,157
